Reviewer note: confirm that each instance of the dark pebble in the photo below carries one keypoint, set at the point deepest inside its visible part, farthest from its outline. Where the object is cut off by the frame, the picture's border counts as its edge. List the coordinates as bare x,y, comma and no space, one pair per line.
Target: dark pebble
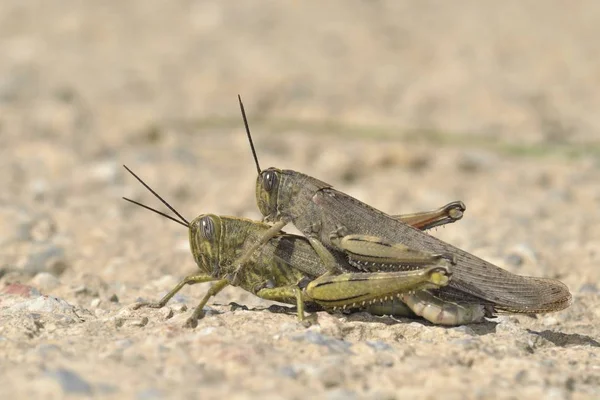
70,382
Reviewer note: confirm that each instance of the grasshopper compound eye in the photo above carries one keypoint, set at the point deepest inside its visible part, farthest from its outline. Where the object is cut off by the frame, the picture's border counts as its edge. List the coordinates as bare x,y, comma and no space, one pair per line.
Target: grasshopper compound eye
270,180
207,228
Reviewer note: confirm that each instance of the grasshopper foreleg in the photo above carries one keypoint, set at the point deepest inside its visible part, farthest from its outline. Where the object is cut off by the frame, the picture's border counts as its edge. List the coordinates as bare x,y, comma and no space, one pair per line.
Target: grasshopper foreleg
324,254
188,280
198,313
192,322
268,235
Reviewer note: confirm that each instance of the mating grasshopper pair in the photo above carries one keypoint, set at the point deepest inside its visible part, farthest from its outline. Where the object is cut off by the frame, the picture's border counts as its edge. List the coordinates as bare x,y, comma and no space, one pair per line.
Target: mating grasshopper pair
352,255
287,269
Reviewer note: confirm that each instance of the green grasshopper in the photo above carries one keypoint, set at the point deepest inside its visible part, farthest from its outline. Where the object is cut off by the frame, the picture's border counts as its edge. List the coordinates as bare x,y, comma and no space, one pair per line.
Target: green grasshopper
287,269
373,241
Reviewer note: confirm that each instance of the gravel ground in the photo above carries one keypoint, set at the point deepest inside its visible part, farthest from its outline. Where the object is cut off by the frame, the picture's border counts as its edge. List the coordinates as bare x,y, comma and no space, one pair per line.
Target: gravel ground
405,105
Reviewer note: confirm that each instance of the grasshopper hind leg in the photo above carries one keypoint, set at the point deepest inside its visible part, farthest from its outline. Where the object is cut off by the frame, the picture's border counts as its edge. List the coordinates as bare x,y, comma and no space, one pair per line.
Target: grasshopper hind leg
441,312
361,289
284,294
424,220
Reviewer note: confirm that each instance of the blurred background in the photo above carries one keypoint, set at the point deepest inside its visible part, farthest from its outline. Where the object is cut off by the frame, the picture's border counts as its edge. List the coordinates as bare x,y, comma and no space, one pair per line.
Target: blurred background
405,105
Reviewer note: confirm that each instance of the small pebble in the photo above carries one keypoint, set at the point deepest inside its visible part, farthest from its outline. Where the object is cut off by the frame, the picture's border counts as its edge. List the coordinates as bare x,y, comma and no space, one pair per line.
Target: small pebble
330,325
47,257
138,322
39,188
46,304
46,350
105,172
288,327
289,371
100,313
521,254
167,313
95,303
550,321
179,308
80,289
149,394
467,343
18,289
106,388
341,394
45,281
206,331
464,329
124,312
385,359
332,377
334,345
379,345
588,288
92,285
476,161
42,229
521,376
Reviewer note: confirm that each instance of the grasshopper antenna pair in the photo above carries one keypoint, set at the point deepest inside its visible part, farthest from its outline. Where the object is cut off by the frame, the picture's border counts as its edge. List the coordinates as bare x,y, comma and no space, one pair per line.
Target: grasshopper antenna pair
183,221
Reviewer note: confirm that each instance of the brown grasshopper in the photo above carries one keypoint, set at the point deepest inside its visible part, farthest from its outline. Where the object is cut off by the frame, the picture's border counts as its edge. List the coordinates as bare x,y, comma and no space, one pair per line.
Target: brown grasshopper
373,241
287,268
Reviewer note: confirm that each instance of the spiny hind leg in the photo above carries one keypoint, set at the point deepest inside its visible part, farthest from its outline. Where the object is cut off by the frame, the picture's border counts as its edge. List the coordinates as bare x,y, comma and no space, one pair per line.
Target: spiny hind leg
447,214
285,294
363,288
440,312
374,254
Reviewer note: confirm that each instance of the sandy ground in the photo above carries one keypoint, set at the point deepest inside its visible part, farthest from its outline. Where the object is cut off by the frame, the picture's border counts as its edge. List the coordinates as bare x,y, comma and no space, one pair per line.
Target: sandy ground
405,105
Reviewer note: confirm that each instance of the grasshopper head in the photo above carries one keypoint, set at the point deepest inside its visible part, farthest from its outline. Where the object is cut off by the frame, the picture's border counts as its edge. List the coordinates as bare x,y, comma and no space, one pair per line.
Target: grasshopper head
283,194
267,192
205,235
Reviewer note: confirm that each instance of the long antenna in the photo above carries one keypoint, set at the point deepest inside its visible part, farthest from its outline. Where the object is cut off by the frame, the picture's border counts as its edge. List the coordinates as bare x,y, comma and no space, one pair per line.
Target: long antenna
157,196
156,211
248,133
